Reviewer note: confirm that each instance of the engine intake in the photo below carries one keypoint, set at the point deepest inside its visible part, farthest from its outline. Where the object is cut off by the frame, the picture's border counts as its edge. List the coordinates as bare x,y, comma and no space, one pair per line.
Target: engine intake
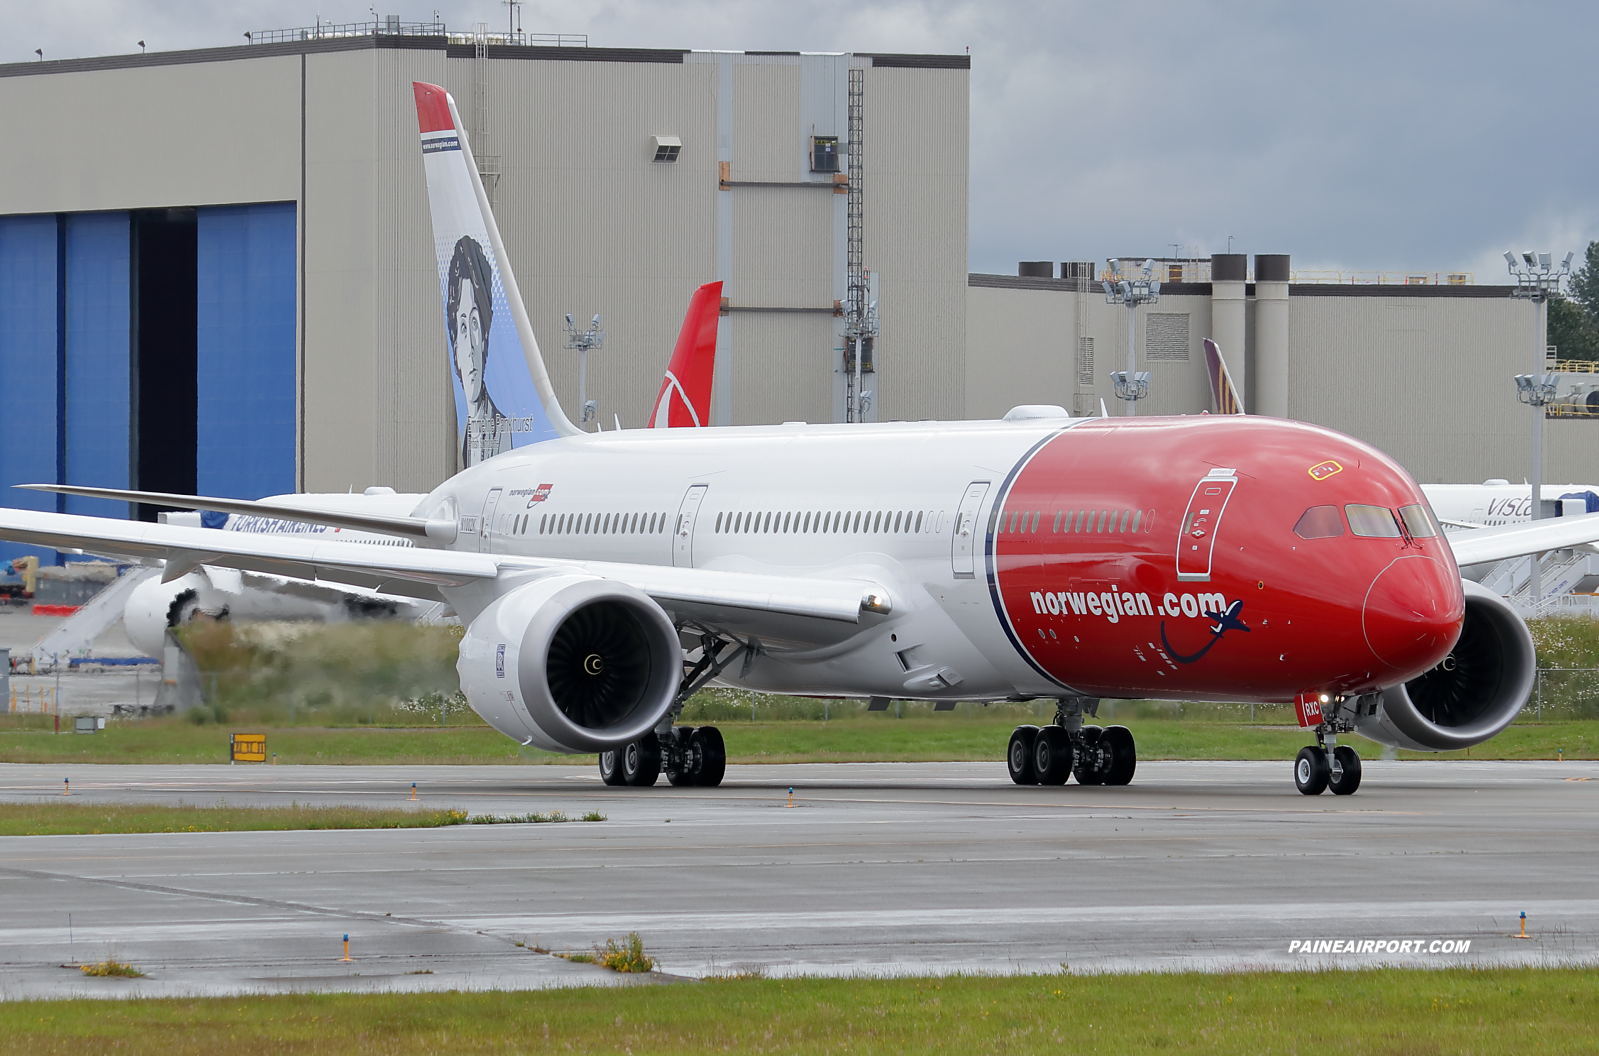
1476,691
572,663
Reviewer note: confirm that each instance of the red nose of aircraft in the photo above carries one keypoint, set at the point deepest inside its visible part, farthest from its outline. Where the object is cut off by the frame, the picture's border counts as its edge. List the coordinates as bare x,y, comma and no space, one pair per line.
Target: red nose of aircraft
1412,614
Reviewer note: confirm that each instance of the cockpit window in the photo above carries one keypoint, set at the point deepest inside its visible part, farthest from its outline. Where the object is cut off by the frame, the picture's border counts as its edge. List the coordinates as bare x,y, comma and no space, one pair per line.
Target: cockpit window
1418,521
1320,522
1372,522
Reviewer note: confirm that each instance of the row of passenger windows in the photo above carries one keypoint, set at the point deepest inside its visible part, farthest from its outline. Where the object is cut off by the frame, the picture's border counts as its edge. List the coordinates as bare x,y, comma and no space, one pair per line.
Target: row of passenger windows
1077,521
1370,522
826,522
593,524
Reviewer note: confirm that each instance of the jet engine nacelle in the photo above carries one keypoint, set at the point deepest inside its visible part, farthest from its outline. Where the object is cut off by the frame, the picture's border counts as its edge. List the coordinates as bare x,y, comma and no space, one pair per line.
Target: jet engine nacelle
572,663
1474,693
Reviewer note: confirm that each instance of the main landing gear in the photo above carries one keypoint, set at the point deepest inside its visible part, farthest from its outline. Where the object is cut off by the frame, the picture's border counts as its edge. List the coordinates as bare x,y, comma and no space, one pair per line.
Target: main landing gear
688,756
1048,755
1327,764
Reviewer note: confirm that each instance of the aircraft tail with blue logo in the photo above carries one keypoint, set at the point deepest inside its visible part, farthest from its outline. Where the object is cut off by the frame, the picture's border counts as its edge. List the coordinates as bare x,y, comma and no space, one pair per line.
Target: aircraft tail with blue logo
503,395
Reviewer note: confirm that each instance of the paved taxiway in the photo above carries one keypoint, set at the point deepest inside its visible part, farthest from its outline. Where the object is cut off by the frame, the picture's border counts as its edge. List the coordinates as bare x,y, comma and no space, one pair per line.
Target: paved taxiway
878,868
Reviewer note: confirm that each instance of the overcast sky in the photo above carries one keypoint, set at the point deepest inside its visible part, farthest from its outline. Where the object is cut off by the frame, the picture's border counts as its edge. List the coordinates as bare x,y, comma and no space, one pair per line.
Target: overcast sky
1352,135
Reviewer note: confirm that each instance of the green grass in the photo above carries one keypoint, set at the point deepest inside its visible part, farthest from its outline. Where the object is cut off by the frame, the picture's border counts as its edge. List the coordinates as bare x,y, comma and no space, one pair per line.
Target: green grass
1525,1012
60,816
919,737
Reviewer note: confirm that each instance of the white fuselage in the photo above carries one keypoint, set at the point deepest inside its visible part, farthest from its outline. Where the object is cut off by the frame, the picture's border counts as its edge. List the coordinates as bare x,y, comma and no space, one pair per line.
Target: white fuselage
782,499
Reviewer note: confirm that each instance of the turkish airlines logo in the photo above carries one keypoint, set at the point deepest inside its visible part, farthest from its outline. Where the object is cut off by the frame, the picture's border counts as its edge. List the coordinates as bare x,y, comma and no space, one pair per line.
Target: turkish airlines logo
672,396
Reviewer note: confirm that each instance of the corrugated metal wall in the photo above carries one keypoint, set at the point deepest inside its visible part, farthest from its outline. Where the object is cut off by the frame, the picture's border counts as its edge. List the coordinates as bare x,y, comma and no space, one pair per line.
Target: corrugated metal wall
916,132
245,330
98,370
1428,380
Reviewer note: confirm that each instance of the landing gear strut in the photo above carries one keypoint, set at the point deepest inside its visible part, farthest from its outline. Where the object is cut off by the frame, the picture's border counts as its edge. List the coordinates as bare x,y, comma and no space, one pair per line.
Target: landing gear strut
687,755
1049,755
1327,764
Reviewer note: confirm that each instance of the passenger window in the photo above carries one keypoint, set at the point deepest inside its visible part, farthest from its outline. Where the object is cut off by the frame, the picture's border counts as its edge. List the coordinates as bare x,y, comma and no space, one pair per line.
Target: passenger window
1418,521
1138,515
919,522
1372,522
1323,522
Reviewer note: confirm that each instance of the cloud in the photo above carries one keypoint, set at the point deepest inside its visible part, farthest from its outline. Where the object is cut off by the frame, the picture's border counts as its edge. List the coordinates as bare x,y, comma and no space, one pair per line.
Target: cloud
1361,135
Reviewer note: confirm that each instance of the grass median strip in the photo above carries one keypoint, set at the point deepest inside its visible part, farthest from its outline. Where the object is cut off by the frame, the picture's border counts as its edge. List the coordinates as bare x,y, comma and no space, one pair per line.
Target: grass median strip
1526,1011
921,738
49,818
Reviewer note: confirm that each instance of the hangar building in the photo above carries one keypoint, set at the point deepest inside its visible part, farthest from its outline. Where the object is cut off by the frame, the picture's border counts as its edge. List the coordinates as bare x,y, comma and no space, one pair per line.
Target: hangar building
1420,366
216,267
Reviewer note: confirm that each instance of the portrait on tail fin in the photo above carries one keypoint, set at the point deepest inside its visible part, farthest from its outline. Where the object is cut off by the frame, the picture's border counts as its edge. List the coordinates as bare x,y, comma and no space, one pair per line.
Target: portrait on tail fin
1225,397
503,398
469,308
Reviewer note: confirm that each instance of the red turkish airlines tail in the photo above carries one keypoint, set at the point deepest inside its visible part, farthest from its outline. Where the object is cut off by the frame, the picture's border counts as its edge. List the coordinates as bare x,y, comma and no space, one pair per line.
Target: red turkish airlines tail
685,398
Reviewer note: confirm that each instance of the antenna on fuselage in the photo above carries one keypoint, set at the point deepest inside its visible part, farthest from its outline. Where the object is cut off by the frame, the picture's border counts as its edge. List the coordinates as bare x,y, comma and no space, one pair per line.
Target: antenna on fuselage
1104,412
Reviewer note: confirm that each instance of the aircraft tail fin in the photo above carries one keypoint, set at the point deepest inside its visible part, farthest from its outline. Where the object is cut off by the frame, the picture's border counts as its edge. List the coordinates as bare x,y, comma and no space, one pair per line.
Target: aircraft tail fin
503,393
1222,392
685,397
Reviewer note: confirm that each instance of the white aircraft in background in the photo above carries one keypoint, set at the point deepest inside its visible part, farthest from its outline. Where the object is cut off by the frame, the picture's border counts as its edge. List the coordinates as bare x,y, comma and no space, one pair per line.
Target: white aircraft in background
603,578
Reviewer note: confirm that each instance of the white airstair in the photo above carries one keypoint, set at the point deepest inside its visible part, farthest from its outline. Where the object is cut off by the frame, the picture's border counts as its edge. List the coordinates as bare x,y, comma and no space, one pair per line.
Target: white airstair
75,635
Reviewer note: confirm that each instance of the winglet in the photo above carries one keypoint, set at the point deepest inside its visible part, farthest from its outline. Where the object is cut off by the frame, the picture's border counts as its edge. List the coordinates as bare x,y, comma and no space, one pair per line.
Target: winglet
467,244
685,397
1221,382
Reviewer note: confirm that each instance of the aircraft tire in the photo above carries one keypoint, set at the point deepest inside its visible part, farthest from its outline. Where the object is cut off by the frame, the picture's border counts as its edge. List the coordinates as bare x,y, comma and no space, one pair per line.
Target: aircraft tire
1345,783
1118,755
610,770
1311,771
692,762
1019,755
1052,755
711,754
1086,764
641,761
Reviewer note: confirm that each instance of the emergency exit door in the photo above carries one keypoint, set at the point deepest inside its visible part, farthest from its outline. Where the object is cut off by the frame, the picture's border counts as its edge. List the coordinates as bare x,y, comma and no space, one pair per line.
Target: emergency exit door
485,538
963,545
1197,540
683,536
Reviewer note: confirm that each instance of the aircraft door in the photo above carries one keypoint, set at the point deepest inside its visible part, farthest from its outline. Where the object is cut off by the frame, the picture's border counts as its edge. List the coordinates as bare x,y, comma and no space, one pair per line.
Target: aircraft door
486,533
963,543
683,537
1197,538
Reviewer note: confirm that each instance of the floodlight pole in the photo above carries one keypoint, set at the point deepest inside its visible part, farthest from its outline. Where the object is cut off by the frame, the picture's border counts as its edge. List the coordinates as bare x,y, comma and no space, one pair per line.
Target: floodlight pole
583,341
1132,289
1537,280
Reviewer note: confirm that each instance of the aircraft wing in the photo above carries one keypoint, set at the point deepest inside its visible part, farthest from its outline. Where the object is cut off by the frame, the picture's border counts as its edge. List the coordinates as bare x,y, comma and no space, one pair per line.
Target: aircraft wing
1520,540
424,531
424,573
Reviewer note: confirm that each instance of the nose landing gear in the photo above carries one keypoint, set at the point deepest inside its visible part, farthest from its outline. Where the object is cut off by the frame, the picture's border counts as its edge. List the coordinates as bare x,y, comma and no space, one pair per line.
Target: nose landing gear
1327,764
1049,755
